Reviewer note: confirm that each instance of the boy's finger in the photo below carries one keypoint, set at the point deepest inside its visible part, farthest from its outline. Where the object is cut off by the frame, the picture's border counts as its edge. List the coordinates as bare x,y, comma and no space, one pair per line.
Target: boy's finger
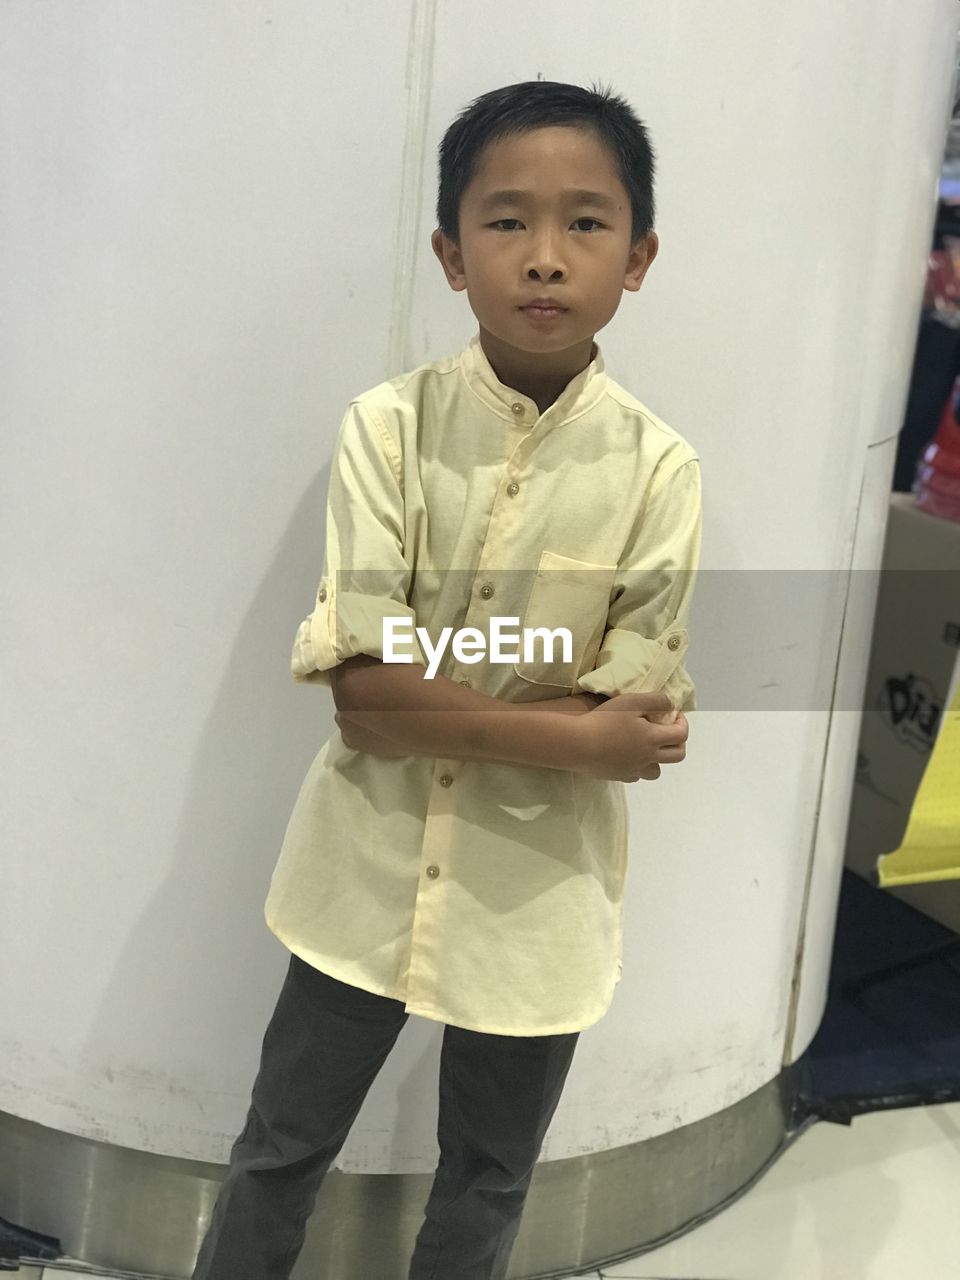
663,717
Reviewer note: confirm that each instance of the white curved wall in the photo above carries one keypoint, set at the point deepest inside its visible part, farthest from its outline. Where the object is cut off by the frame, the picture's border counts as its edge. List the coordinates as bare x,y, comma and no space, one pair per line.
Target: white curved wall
215,233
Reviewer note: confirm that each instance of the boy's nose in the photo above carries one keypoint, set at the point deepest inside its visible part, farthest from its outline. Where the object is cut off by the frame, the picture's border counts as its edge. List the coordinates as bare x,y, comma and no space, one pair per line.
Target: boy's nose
545,268
545,257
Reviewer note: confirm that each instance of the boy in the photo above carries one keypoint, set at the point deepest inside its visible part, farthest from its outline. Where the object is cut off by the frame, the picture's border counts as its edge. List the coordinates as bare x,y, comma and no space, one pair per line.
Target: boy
458,849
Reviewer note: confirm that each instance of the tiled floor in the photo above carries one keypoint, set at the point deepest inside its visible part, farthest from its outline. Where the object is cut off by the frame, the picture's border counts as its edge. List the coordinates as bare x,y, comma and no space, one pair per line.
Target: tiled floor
875,1201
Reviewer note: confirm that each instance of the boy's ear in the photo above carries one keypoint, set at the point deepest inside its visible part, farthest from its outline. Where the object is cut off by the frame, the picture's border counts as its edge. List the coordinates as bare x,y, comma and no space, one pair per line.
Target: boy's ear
641,256
451,259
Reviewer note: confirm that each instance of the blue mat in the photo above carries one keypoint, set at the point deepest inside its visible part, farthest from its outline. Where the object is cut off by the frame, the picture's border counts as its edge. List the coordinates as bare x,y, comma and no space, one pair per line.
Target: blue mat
896,1042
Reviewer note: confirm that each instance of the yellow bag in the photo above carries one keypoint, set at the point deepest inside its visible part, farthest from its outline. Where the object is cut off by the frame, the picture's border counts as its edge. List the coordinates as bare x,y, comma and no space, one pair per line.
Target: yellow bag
931,845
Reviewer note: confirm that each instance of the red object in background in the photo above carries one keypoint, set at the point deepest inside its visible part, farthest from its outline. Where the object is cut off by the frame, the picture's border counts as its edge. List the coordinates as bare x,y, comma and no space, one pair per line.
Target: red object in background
941,293
937,486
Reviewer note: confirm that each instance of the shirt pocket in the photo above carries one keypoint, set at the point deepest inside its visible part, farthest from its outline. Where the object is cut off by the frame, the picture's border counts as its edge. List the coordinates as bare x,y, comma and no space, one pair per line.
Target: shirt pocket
565,593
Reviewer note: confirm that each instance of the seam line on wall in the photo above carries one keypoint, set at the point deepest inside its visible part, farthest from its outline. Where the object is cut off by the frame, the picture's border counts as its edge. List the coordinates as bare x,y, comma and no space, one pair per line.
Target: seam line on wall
419,76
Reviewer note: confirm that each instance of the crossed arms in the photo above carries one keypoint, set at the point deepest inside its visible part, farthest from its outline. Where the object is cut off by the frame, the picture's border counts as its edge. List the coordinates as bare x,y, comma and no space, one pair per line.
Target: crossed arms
392,710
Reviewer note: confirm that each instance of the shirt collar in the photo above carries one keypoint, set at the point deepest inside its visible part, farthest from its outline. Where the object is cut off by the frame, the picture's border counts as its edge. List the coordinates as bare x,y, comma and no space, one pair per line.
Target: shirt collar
581,392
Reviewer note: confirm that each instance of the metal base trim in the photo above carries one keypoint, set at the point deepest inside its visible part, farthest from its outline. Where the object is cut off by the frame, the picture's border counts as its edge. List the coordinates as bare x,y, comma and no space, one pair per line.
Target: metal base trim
129,1210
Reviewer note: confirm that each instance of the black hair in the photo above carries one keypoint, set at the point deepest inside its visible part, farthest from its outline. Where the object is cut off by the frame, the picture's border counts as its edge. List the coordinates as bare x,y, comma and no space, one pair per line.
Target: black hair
517,108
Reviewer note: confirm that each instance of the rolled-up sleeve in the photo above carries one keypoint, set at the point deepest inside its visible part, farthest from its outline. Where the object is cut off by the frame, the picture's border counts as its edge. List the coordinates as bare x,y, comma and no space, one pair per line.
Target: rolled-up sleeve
366,577
645,644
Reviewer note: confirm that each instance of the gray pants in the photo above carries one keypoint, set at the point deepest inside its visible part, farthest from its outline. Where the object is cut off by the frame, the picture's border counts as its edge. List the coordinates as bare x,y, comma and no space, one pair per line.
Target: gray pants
322,1050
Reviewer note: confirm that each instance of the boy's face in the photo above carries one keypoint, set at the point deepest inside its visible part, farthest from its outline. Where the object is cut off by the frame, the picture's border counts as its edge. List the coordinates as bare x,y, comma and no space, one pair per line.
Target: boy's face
546,241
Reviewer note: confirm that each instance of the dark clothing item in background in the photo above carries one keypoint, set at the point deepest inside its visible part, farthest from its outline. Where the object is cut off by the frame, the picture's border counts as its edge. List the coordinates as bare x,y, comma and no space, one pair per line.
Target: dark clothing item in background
935,366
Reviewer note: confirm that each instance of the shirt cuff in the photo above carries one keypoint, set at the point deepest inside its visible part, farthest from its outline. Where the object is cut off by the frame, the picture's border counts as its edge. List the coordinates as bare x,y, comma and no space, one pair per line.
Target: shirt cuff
345,624
631,663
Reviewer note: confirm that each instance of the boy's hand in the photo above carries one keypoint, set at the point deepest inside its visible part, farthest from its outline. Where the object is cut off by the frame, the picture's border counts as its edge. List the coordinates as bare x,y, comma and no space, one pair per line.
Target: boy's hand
630,736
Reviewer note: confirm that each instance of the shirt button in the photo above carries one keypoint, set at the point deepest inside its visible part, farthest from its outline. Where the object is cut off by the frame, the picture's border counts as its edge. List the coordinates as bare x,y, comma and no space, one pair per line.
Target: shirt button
445,779
466,682
517,408
486,591
322,594
673,642
433,872
513,489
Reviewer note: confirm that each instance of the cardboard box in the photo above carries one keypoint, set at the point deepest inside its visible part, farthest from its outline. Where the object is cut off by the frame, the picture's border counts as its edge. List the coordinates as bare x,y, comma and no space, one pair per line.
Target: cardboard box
913,671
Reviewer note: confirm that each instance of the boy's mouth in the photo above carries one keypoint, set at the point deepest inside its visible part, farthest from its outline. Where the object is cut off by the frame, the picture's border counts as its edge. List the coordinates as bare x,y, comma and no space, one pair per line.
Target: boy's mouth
542,311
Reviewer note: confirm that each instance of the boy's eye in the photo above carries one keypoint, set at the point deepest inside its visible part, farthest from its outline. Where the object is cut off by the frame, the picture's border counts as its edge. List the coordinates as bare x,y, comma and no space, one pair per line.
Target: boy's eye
501,221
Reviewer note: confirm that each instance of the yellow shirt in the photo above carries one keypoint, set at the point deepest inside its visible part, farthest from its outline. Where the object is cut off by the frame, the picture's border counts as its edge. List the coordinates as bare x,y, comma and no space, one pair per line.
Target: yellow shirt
487,894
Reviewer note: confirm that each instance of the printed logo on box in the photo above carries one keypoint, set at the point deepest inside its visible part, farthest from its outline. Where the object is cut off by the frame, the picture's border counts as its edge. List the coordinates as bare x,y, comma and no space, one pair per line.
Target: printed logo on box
912,709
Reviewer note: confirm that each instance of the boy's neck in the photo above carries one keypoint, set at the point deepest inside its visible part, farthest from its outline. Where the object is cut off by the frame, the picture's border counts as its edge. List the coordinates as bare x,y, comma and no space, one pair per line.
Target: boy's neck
541,377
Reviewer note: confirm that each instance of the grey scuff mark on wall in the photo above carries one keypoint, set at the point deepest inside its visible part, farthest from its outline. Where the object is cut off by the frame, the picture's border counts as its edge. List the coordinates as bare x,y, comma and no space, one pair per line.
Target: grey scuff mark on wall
419,78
